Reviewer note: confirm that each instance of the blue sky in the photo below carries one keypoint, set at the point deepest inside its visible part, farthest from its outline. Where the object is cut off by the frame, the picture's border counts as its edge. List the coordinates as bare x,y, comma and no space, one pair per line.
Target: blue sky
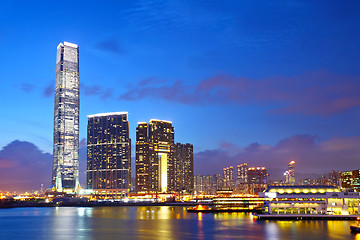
229,74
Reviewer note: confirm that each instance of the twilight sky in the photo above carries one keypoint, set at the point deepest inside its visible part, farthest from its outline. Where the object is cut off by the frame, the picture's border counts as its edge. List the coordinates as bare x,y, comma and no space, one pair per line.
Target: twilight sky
262,82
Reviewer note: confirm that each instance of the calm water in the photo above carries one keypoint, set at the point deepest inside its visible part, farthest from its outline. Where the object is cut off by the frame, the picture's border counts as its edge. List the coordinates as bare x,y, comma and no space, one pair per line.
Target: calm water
156,223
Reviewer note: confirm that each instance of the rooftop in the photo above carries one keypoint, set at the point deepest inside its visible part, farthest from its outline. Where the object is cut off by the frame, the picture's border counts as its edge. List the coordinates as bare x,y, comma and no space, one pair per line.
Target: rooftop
107,114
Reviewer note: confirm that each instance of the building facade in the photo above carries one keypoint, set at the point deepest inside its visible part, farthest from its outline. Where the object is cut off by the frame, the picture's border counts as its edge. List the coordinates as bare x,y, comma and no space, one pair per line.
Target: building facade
184,167
155,156
109,154
65,172
295,200
242,173
257,180
228,176
350,180
290,174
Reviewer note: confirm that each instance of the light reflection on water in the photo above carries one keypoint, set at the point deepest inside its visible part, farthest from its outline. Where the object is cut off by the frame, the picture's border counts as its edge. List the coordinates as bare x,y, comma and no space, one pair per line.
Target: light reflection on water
157,223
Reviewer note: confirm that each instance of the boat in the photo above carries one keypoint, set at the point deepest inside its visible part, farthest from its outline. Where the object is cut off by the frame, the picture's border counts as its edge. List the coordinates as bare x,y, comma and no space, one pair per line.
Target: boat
200,208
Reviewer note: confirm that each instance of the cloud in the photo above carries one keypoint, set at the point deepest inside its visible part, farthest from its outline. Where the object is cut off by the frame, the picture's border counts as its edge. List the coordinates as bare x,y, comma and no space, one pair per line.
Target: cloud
311,155
316,93
83,142
49,90
26,87
96,90
110,45
24,167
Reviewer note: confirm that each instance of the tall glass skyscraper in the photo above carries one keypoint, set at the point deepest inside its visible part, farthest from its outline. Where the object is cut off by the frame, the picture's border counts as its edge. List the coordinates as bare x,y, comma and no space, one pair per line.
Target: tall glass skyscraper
108,154
65,173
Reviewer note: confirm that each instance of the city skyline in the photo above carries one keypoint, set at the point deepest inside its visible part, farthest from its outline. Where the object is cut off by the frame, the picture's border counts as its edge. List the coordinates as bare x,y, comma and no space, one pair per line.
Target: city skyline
265,88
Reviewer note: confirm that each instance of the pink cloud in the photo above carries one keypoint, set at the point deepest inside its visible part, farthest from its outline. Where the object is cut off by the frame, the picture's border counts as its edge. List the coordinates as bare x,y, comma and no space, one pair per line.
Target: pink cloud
316,93
311,155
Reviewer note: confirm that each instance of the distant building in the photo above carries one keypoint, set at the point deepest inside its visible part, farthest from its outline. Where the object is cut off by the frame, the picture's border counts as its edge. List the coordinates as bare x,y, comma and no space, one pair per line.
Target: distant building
203,184
242,176
350,180
184,167
335,178
65,172
290,174
109,154
217,183
155,156
257,179
228,176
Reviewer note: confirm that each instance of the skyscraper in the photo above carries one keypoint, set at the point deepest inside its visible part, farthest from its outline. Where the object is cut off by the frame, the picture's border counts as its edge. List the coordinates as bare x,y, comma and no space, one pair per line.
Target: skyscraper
108,154
290,173
242,173
184,167
65,172
228,175
154,156
257,179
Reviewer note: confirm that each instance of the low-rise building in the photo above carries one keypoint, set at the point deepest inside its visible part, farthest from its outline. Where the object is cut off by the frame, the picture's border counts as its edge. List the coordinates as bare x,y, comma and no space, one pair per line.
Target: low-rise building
309,200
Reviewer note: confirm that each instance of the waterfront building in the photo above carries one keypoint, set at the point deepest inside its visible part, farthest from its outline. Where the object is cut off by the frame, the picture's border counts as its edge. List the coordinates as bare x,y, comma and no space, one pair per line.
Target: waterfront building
108,154
154,156
350,180
184,167
310,200
290,174
65,171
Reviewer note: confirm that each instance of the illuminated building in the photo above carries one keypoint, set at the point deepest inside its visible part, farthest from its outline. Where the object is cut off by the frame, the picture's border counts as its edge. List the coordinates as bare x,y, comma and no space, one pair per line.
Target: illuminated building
65,172
228,176
256,179
290,174
108,154
142,158
216,183
203,184
257,175
350,180
335,178
242,173
309,200
154,156
184,167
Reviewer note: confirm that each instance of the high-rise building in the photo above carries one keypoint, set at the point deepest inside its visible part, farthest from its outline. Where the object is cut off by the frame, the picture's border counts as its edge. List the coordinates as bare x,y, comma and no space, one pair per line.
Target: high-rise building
335,178
154,156
203,184
217,183
350,180
228,175
108,154
257,179
257,175
184,167
65,172
242,173
290,174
